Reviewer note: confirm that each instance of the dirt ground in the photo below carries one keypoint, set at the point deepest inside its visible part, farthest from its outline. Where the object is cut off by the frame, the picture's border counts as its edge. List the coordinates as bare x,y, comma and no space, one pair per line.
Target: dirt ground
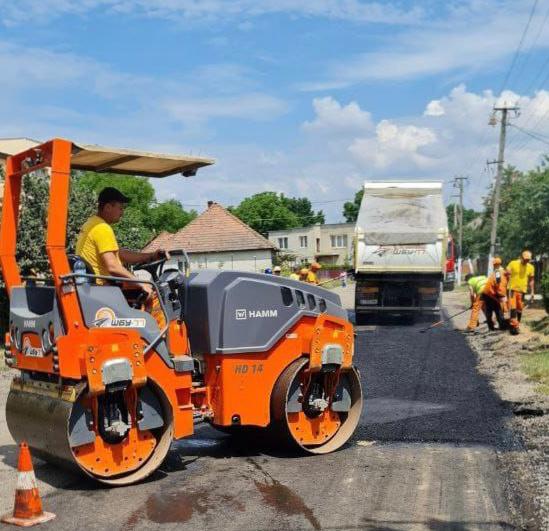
500,359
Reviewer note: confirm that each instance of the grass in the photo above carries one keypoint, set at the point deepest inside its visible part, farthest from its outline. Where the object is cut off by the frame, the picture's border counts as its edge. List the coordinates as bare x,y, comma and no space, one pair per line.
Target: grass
536,366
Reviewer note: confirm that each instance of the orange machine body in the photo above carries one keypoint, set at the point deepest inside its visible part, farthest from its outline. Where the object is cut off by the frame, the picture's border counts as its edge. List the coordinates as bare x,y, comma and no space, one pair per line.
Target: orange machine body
237,389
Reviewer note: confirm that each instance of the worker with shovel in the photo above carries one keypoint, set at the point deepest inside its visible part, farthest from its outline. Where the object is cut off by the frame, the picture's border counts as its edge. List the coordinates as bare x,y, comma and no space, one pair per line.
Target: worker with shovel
488,294
476,286
521,277
494,296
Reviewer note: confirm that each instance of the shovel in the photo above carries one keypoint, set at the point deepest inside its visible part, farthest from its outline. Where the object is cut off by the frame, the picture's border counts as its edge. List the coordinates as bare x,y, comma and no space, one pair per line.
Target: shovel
442,321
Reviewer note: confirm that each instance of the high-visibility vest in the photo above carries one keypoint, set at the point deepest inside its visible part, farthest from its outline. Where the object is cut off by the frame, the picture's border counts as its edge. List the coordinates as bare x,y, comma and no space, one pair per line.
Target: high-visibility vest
478,283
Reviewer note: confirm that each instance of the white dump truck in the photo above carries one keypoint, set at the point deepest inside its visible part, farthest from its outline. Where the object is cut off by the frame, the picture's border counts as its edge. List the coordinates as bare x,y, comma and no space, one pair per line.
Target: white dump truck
401,240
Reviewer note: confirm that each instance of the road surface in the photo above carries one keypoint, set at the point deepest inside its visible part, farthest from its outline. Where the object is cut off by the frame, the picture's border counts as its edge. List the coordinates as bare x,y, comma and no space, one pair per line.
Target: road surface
424,457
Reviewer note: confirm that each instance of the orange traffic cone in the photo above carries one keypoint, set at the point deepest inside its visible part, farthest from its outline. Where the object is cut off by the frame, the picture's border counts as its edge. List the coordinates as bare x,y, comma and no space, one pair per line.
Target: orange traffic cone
27,509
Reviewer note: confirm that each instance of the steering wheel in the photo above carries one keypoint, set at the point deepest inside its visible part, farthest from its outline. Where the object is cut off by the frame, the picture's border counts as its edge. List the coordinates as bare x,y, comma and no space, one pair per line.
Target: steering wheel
152,267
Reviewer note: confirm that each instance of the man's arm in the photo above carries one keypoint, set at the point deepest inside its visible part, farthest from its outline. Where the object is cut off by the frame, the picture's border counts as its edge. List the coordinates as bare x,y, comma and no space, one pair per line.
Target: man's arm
116,269
135,257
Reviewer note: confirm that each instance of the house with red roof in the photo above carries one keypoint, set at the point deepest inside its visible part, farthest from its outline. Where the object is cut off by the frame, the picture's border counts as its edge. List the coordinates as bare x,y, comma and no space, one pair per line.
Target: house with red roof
217,239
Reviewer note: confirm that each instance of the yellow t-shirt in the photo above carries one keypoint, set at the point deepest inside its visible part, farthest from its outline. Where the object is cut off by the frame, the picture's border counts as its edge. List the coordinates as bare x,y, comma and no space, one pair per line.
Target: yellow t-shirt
519,275
96,237
312,278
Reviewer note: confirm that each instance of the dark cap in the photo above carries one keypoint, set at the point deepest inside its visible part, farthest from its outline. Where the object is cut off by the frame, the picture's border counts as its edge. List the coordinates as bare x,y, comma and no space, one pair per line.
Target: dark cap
111,195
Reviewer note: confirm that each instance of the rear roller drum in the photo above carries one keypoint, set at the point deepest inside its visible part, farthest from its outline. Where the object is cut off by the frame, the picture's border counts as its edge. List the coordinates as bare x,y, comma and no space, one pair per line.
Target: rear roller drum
305,416
118,438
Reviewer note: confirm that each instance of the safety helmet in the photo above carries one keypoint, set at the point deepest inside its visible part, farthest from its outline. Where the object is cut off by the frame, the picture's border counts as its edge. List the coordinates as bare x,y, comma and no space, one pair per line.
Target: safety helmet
303,271
315,266
268,271
276,269
496,261
526,255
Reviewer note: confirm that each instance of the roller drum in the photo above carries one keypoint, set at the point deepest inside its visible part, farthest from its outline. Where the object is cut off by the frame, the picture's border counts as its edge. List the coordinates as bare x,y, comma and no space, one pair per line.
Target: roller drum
43,422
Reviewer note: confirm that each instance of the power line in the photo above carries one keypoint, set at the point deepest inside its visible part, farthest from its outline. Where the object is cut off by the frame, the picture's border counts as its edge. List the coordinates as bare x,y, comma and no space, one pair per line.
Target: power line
535,136
519,47
528,54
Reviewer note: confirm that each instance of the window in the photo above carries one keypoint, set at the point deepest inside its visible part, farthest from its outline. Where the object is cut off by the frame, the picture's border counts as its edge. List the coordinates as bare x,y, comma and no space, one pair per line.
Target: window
303,241
339,240
283,243
318,245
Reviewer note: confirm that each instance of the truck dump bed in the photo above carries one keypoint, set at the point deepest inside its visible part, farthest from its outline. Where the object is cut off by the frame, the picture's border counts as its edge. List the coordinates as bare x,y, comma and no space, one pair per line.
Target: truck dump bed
401,227
401,238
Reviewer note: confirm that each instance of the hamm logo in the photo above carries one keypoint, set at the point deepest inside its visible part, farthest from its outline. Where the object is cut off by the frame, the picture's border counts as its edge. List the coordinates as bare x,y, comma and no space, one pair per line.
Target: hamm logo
243,313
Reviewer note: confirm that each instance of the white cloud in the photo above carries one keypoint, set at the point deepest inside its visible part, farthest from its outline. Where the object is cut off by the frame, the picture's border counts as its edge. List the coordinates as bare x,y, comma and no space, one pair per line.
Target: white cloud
20,11
394,144
450,137
476,37
42,75
333,117
434,108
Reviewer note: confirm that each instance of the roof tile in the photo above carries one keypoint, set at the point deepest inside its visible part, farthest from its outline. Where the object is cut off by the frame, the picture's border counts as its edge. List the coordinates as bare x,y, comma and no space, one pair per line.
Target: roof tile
215,230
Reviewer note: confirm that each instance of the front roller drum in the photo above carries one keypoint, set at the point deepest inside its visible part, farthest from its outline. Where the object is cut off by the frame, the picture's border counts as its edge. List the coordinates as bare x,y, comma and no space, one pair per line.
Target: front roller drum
315,431
59,431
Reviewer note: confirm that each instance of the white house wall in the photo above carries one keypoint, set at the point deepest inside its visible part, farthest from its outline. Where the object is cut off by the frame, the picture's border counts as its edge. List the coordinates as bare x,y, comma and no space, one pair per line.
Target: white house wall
323,233
251,261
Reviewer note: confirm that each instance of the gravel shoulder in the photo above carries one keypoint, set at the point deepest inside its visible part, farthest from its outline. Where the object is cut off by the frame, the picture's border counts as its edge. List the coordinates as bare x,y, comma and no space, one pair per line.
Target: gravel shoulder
501,359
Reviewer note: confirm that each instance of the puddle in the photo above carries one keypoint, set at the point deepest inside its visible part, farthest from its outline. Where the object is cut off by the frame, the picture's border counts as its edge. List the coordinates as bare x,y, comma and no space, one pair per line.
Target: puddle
285,500
179,507
176,507
282,498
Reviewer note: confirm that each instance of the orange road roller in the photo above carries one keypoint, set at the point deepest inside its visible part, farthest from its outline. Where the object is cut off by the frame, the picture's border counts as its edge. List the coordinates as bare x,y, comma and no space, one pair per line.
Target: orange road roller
104,386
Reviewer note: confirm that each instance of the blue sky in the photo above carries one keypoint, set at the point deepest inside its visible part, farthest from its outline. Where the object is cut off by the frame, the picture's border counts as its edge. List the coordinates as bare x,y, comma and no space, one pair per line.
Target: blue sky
305,97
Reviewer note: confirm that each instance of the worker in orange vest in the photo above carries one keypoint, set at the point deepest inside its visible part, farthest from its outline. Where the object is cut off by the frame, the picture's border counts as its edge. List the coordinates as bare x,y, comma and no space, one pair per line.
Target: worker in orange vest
488,294
521,278
494,295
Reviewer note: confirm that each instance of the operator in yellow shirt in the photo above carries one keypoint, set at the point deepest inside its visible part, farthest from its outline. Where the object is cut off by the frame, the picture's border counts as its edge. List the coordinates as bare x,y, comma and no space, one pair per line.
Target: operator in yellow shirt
521,277
97,244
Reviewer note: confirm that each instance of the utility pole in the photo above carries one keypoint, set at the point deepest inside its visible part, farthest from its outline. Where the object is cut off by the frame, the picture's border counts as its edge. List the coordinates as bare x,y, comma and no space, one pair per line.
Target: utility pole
458,183
504,110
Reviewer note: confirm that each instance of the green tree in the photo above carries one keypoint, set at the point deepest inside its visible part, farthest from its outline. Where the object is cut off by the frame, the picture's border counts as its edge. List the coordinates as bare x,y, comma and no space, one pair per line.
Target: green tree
143,218
471,230
266,211
31,234
302,208
351,208
138,189
169,216
524,220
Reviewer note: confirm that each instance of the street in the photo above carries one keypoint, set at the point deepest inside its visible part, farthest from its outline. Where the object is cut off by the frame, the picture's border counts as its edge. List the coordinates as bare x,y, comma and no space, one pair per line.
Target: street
424,457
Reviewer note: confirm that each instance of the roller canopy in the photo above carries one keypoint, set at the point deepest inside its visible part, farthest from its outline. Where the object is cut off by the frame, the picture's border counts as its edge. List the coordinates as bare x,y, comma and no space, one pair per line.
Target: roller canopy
107,159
